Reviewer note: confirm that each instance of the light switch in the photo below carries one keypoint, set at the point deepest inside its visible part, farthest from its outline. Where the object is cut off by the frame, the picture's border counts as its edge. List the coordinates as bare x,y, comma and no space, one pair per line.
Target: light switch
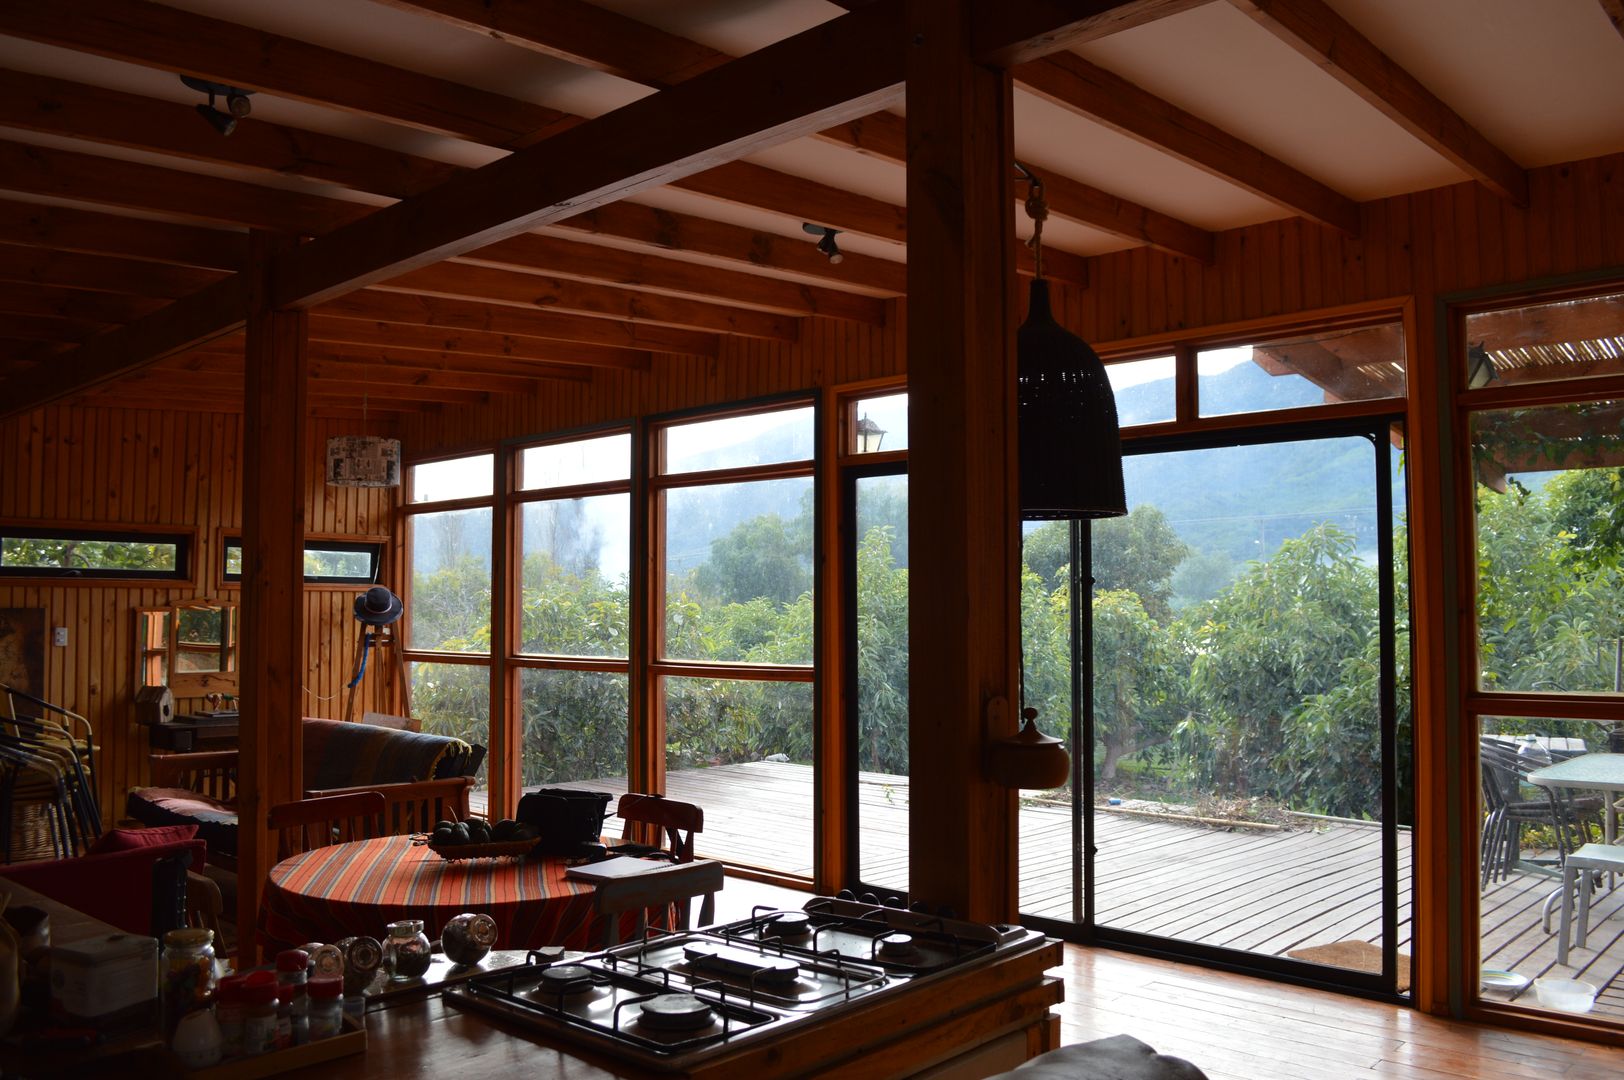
59,636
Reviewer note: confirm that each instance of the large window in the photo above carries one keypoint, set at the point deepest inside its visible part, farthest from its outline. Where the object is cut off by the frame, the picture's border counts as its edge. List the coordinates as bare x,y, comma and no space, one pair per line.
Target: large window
734,527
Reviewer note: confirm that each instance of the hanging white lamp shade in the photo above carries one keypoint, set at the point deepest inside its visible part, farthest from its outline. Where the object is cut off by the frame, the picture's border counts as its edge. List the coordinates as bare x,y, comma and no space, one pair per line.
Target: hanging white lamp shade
363,461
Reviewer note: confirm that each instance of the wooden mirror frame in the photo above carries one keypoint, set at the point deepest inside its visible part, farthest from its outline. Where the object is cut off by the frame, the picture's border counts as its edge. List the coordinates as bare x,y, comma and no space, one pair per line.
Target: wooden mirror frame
158,644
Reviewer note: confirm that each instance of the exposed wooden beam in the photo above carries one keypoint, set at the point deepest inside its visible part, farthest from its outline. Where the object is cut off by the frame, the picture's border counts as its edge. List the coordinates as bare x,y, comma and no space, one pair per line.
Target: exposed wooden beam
597,262
222,381
1120,217
1015,32
1615,13
67,174
69,229
1087,89
804,198
48,328
20,298
468,282
170,39
1548,324
70,270
397,378
39,103
457,364
1325,37
444,314
474,344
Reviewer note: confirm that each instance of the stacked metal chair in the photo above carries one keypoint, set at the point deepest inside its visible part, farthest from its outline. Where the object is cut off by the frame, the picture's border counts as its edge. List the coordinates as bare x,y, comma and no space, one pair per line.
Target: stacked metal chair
47,779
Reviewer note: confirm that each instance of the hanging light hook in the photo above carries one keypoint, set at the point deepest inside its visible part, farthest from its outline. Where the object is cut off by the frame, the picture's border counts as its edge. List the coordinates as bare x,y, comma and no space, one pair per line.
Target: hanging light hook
1037,208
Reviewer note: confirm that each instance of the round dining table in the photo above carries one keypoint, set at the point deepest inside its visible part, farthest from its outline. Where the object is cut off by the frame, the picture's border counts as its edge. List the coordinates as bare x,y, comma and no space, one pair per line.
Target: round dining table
361,887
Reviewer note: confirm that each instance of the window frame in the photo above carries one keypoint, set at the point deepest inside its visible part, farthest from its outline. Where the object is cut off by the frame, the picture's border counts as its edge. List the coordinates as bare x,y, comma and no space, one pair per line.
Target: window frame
183,539
377,546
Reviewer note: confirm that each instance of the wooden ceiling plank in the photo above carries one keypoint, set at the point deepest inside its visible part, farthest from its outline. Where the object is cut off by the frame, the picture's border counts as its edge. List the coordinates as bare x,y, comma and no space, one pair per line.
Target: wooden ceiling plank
472,343
597,262
39,103
47,328
1015,32
71,270
88,231
803,198
580,33
1548,324
1121,217
441,313
672,231
778,93
1325,37
67,174
459,362
1089,90
21,298
467,282
391,373
170,39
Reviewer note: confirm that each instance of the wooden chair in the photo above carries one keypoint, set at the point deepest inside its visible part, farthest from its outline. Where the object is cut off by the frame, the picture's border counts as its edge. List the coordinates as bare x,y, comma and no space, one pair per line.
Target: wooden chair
312,823
204,908
661,887
678,821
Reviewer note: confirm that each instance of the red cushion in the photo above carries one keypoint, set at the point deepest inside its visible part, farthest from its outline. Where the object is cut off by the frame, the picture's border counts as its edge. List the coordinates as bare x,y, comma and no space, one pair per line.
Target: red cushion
129,839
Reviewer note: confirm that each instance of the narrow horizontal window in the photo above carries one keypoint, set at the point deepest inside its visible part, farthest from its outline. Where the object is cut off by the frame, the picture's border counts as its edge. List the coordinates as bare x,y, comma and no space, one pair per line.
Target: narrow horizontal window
57,552
326,562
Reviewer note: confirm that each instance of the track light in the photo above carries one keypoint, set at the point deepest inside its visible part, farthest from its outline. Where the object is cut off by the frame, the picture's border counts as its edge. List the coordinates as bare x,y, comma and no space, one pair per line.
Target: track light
826,240
237,103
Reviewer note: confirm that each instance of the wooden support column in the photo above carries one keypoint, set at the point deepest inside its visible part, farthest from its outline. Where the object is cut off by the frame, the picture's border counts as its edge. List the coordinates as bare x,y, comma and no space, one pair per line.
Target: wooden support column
964,600
270,765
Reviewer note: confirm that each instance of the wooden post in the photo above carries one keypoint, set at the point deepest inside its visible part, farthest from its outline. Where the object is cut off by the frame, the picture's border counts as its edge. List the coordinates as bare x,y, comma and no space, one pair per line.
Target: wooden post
963,595
270,766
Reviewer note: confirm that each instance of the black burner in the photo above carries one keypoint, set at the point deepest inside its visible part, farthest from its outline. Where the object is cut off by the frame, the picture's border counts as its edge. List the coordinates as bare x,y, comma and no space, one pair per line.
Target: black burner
676,1012
787,924
566,979
897,947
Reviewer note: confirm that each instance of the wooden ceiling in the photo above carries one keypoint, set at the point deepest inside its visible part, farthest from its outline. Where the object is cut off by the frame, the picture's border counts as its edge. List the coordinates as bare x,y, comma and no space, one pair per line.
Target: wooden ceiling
588,189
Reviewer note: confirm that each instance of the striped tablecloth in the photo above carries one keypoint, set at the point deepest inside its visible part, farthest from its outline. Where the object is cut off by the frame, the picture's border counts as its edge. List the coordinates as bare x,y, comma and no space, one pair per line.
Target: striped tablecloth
361,887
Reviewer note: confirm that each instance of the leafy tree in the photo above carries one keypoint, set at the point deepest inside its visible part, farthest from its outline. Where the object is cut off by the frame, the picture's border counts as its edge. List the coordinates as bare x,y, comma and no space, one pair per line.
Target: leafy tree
761,557
1139,553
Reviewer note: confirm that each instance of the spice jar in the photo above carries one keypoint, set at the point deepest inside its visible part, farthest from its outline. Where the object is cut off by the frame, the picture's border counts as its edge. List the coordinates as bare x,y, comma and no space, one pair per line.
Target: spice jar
325,960
407,950
189,974
362,957
259,1013
467,938
228,1013
292,1007
326,1007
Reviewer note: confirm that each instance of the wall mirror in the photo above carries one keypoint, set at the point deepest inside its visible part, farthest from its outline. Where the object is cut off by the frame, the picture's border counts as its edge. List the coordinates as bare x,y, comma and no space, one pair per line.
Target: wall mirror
191,647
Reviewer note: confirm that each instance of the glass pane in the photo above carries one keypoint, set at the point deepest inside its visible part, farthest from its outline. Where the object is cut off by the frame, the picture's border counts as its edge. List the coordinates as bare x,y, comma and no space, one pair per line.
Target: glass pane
233,558
743,751
320,562
889,417
194,660
457,478
1550,536
199,626
449,607
1236,647
1144,390
1543,784
455,700
574,589
579,461
738,441
1568,339
69,553
881,615
738,572
1321,368
574,728
1045,817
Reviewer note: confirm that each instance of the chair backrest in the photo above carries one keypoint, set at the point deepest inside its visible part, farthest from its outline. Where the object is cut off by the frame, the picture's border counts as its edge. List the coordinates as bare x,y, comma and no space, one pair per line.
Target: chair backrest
336,819
661,887
679,821
204,907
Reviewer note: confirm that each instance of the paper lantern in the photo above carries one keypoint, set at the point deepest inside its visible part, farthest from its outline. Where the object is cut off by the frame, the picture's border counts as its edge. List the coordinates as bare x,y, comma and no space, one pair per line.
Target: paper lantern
363,461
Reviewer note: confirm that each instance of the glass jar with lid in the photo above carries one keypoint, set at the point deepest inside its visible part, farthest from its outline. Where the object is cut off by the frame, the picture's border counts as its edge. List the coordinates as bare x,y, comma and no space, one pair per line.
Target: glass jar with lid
407,950
189,973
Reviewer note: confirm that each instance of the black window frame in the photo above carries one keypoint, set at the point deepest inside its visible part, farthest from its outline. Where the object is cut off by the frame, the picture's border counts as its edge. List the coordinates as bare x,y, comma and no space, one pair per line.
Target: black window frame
373,547
183,543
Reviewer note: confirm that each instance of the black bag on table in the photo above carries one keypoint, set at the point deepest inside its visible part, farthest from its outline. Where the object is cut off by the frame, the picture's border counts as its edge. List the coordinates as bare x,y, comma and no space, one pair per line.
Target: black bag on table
568,821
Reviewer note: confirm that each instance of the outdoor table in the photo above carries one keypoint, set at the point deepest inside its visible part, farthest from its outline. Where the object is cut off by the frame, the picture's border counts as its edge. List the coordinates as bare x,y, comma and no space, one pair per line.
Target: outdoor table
1589,772
361,887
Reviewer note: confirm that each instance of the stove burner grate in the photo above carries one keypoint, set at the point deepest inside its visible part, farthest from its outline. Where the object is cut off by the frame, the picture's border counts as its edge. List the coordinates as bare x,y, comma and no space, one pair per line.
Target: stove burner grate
675,1012
565,979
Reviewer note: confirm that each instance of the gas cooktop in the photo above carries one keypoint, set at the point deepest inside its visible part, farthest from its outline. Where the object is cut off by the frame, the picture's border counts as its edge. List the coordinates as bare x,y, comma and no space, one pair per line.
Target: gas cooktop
679,998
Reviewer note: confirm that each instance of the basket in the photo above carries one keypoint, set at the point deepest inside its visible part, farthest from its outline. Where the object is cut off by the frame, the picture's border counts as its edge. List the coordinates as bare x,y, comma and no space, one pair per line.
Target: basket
566,818
504,849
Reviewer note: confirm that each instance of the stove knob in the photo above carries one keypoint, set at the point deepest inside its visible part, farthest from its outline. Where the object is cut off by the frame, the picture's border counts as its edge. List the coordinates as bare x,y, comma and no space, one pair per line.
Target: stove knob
869,898
894,902
845,894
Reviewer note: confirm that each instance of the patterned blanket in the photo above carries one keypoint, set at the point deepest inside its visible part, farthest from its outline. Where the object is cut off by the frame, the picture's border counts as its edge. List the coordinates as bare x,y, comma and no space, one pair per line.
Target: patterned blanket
341,755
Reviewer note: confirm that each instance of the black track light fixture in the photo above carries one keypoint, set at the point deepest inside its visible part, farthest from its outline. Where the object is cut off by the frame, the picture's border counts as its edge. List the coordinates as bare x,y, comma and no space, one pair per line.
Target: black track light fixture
826,240
237,103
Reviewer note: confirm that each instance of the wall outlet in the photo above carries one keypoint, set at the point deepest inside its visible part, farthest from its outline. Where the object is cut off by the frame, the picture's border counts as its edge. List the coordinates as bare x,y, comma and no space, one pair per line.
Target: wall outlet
59,636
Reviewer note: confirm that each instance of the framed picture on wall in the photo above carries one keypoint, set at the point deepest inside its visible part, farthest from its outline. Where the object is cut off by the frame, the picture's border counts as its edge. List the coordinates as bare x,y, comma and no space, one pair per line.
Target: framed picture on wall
22,653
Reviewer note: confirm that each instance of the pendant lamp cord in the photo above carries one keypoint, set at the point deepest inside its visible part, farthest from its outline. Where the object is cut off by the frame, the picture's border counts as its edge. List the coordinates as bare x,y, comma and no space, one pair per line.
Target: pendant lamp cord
1038,210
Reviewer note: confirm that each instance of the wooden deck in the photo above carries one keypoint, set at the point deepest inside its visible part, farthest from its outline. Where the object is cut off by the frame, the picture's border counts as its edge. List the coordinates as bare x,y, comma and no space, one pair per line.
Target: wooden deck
1264,891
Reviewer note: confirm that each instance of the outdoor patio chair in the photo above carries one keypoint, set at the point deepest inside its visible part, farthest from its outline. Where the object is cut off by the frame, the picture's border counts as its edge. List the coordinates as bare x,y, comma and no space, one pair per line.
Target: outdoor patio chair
1570,818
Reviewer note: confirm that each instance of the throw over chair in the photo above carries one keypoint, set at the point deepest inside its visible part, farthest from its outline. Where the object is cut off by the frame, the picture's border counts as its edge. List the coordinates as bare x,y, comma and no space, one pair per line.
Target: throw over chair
673,824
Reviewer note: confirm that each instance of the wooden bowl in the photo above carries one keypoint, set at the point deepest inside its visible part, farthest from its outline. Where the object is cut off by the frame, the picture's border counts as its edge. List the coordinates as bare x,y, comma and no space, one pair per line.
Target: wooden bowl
505,849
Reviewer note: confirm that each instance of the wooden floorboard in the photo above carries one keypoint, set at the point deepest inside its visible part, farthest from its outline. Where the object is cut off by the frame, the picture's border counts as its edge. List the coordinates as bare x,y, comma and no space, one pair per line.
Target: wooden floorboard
1264,891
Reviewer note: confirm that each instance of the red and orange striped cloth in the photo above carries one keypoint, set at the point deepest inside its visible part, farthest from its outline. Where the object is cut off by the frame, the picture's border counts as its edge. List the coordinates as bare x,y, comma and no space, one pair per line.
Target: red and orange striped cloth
361,887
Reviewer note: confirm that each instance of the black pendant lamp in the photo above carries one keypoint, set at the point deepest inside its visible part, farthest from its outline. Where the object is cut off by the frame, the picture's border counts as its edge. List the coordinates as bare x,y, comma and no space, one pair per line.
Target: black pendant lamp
1070,449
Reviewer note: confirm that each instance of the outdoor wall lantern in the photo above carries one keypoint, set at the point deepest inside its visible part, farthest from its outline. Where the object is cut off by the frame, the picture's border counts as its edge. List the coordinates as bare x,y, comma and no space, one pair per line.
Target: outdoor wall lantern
869,436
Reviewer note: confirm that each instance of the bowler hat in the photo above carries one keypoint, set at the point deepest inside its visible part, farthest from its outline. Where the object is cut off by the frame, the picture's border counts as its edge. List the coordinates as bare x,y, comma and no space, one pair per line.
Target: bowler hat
378,606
